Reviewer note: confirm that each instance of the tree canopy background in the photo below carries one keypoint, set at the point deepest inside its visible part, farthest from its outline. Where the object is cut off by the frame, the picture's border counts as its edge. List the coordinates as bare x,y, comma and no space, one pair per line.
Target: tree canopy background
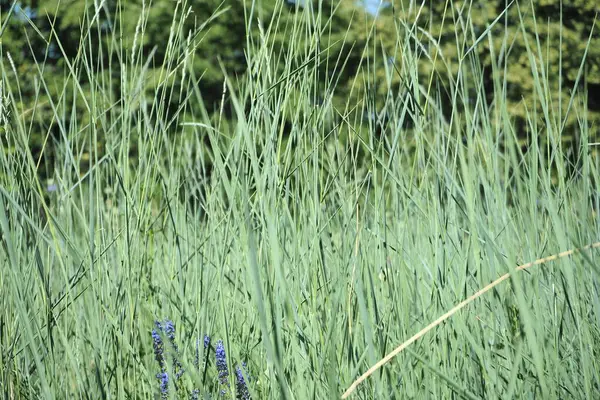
46,38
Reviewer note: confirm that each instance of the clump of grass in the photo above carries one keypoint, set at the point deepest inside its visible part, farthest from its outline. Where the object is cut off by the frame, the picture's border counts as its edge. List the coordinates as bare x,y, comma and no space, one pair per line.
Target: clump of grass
321,249
171,371
456,309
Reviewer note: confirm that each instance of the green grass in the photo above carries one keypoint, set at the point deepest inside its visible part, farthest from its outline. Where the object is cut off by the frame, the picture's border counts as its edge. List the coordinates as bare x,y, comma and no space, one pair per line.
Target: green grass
312,249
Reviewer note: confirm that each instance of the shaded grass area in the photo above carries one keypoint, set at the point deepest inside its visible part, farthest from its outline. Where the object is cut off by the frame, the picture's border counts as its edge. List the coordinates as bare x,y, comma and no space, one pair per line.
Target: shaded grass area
310,239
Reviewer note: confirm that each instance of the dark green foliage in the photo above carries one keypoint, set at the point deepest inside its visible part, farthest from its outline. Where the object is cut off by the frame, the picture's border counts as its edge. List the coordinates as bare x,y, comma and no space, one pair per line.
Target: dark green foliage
339,37
557,51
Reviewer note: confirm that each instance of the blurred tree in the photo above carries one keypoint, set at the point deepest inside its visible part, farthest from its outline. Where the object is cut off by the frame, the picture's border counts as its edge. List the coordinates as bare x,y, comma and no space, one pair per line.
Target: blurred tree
26,52
556,46
355,59
63,50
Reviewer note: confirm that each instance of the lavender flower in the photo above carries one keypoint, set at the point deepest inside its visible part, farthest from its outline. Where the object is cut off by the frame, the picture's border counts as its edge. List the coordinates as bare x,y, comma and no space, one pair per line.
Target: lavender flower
169,329
158,349
164,384
241,387
222,365
162,350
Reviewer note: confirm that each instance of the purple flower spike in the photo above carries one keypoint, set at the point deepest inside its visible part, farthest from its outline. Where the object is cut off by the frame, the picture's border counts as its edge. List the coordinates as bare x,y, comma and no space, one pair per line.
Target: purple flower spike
164,384
158,349
222,364
169,328
241,388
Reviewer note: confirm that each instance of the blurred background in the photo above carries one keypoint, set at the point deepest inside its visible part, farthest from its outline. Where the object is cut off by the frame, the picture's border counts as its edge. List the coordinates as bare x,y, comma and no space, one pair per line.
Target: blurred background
352,38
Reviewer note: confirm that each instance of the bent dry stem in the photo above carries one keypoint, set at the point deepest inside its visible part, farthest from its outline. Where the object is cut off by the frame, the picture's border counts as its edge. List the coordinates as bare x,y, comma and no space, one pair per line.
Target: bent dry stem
456,309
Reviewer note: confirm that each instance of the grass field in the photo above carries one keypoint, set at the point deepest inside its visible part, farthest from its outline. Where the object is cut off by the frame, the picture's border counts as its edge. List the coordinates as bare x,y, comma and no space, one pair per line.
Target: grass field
311,248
